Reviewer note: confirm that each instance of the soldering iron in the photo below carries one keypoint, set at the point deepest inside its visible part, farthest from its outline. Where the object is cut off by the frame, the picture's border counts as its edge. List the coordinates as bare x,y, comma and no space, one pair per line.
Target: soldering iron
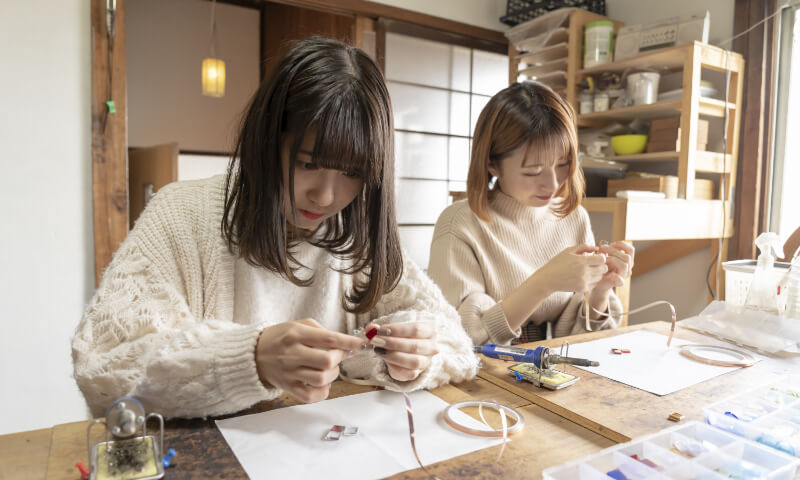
540,356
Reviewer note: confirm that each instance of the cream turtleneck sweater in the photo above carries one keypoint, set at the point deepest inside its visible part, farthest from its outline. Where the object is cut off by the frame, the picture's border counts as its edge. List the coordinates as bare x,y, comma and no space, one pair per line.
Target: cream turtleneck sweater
477,264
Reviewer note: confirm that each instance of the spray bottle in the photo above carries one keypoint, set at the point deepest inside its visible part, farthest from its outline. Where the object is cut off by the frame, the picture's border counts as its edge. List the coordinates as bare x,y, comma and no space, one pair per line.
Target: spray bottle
763,293
793,300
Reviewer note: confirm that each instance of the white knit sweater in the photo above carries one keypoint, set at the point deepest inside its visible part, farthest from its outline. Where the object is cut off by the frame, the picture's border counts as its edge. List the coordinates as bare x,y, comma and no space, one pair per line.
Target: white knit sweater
477,264
161,326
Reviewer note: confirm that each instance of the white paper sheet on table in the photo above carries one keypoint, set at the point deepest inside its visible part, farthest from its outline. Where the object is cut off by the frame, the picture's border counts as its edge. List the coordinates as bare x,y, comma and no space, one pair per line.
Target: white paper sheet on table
287,442
650,366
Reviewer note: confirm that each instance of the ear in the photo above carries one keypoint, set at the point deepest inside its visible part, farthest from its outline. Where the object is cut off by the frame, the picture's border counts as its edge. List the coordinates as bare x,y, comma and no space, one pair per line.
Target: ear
494,170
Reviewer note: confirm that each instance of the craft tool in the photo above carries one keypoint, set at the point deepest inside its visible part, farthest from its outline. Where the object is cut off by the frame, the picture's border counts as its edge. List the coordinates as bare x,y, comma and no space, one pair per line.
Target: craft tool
540,356
550,379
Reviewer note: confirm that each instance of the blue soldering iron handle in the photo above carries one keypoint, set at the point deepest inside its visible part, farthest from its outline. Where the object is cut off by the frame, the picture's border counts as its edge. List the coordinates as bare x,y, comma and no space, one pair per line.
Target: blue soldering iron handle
511,354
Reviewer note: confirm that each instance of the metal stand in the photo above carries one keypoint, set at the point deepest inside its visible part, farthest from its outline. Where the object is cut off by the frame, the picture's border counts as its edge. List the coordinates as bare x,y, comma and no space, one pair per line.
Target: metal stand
124,451
563,351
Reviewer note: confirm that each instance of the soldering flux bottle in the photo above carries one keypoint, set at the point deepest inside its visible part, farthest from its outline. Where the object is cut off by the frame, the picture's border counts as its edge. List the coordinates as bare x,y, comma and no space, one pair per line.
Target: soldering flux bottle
763,292
793,288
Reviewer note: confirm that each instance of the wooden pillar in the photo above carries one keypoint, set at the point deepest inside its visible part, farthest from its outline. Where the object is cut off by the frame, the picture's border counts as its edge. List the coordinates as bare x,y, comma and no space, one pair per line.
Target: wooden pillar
753,163
109,134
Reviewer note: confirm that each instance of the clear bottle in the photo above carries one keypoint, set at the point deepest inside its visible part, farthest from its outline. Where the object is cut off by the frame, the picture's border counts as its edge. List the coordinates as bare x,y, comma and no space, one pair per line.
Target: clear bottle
763,292
793,288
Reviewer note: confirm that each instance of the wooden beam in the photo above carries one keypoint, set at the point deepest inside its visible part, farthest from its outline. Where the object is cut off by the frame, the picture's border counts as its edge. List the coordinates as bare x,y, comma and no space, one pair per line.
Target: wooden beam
751,189
379,10
716,277
664,252
109,135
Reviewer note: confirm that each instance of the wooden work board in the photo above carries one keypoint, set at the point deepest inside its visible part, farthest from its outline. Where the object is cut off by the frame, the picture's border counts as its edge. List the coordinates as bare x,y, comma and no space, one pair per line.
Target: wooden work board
547,440
620,412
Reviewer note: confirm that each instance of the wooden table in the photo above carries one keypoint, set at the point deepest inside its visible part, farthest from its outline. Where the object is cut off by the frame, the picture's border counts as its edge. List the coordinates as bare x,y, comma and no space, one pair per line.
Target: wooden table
620,412
562,425
547,440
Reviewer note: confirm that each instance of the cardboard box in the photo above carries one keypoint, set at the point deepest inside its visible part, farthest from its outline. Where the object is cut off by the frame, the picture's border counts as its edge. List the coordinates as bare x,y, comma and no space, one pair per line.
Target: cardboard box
665,135
703,188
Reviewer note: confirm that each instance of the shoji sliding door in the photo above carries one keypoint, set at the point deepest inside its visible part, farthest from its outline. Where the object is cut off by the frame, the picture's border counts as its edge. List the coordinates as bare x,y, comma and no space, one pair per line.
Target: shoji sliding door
438,89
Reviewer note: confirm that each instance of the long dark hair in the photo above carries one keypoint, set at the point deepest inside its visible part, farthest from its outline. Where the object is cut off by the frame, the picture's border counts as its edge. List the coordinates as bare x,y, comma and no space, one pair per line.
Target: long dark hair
532,114
338,90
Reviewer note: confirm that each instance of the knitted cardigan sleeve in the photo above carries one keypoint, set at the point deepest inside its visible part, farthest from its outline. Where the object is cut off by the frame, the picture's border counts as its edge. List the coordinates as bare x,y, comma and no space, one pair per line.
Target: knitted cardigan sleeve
417,299
573,320
146,332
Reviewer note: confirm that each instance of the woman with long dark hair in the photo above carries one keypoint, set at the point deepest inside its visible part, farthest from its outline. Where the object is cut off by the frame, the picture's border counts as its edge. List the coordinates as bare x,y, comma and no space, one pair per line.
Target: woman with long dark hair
233,289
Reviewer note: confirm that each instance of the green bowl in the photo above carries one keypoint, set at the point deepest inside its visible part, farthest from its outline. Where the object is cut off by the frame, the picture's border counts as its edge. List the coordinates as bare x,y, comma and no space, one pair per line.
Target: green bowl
628,144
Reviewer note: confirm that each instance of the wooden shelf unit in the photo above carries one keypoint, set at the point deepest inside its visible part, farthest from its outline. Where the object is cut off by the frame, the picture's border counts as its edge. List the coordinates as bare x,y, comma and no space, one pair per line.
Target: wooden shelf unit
684,219
691,59
574,24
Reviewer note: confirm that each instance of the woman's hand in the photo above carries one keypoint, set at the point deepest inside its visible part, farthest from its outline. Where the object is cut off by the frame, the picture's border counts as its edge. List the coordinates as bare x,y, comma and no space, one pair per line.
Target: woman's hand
302,357
572,271
619,259
406,348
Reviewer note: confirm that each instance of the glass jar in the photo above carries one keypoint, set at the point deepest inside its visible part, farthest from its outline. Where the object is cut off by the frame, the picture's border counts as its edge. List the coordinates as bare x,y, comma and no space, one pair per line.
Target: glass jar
600,102
586,102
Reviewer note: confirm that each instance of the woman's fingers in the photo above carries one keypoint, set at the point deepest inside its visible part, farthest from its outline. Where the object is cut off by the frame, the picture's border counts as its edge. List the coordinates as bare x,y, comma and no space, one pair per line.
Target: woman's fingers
407,330
407,345
317,336
406,348
618,265
402,374
625,247
308,393
315,378
403,360
300,355
620,259
581,249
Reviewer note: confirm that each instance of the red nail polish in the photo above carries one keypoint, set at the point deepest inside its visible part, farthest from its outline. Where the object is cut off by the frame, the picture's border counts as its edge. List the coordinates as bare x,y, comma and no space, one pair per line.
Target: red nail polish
371,333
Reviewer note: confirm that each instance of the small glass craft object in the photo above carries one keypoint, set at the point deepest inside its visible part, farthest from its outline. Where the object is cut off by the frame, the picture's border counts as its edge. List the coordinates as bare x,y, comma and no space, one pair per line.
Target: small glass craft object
128,451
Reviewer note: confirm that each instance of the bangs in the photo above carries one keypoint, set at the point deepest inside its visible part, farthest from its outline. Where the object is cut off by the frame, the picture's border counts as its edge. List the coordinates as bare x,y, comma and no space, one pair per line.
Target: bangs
551,146
345,140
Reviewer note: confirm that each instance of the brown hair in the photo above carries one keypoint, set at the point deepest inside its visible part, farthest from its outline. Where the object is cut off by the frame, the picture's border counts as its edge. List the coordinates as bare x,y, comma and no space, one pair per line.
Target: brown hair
338,90
529,114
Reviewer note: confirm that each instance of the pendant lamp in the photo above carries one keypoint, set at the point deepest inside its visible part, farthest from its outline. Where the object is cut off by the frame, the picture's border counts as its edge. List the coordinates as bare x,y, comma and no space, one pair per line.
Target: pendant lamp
213,68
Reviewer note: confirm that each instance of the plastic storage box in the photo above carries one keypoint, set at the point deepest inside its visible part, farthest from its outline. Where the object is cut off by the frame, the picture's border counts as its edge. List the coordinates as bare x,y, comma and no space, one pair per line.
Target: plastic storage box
739,274
691,451
769,415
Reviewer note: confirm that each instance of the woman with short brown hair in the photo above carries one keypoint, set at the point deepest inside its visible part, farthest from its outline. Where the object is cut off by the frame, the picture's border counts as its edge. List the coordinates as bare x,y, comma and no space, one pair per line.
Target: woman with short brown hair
519,254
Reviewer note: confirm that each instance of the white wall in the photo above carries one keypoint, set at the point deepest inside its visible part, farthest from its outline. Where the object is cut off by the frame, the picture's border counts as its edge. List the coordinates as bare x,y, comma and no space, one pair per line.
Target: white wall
646,11
482,13
46,258
166,43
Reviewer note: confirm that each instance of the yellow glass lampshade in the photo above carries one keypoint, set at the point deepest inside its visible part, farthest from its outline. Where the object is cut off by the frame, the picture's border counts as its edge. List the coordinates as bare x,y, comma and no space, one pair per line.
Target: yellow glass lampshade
213,77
